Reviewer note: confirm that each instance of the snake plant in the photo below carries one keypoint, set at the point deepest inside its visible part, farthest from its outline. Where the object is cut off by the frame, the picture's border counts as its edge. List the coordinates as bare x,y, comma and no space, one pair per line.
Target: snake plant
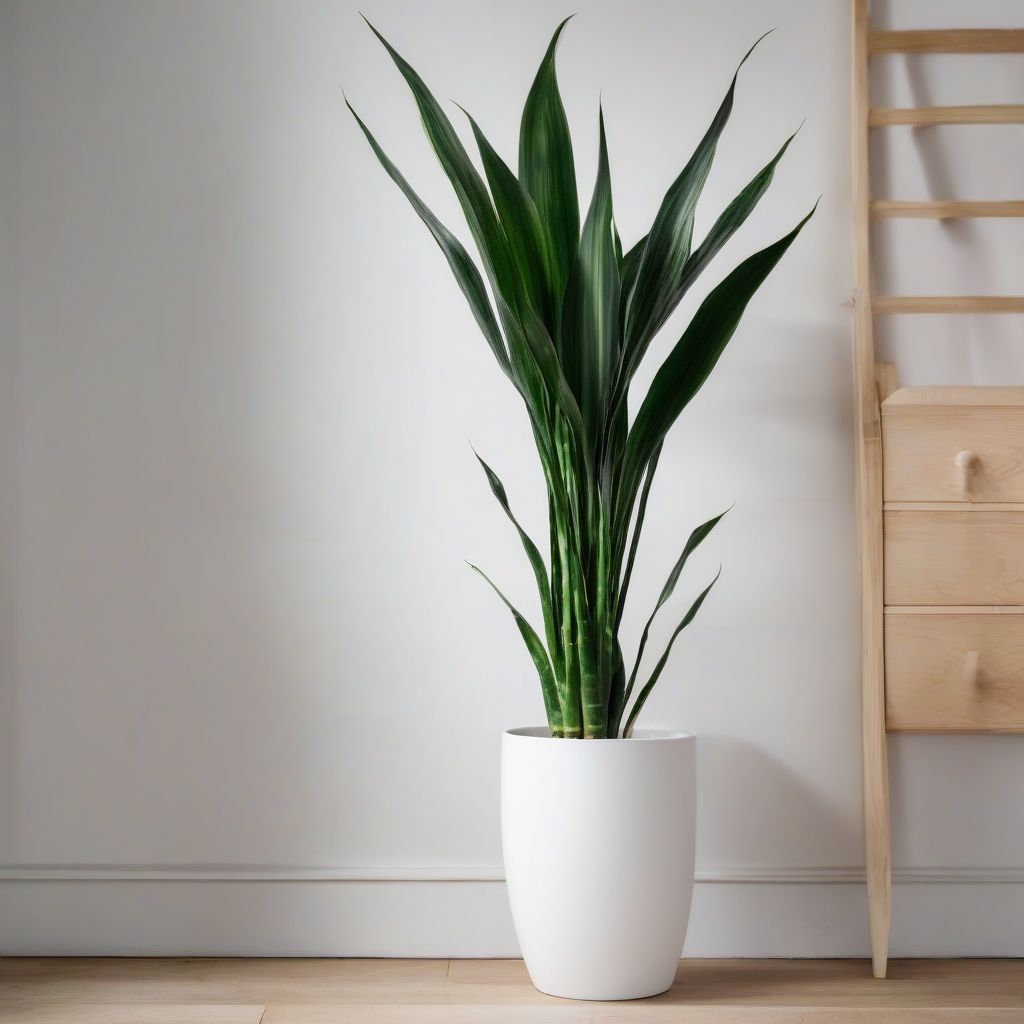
569,315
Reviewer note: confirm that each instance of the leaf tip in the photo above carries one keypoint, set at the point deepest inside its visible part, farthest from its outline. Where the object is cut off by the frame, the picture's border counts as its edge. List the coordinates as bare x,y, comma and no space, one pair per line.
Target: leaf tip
553,45
757,42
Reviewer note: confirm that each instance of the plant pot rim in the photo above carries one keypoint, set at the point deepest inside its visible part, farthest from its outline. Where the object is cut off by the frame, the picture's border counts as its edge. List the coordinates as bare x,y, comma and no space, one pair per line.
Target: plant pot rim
641,734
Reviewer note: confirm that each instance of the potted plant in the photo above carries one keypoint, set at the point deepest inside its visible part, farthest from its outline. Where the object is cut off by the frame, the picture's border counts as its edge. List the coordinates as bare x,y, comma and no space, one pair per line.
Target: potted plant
598,836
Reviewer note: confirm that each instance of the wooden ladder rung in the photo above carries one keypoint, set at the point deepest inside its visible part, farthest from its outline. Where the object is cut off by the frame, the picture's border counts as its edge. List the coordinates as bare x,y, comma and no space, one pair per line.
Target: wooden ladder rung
949,40
946,209
883,305
1002,113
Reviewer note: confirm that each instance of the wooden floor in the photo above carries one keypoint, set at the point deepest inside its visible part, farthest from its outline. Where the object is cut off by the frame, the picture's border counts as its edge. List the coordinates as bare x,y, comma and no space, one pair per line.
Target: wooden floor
121,991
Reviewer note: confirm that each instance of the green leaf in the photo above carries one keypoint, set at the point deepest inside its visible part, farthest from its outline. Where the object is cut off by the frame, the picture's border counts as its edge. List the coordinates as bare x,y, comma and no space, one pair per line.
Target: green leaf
649,685
692,543
462,266
539,655
546,166
691,361
464,177
724,228
668,244
536,563
523,230
638,526
630,263
589,336
529,341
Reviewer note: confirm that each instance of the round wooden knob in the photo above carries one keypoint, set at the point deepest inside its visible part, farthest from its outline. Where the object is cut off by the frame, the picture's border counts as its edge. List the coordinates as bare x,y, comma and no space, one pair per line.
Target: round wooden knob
971,670
966,462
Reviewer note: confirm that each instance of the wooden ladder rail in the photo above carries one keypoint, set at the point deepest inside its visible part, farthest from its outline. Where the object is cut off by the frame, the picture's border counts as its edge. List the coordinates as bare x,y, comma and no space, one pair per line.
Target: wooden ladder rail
868,429
873,381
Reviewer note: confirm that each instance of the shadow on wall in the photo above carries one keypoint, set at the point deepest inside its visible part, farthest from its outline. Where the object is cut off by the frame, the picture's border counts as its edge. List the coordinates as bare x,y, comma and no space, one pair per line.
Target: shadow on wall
949,256
751,767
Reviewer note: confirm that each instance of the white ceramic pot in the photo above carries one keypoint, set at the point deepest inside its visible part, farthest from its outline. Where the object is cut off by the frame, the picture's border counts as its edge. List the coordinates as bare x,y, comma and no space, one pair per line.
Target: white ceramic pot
598,839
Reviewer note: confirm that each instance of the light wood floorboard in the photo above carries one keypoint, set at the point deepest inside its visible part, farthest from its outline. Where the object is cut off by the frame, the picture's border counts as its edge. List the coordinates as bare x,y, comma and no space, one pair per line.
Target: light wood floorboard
306,991
129,1013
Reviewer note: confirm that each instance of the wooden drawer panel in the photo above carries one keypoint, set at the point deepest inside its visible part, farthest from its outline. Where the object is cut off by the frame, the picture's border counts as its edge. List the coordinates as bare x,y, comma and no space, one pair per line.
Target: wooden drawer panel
954,558
954,671
924,431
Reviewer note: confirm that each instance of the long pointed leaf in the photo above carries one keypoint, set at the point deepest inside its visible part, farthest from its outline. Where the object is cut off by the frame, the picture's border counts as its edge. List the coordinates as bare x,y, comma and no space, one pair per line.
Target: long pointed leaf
522,325
536,563
649,685
691,361
692,543
521,222
546,166
668,243
589,337
464,177
630,263
641,512
724,228
539,655
462,266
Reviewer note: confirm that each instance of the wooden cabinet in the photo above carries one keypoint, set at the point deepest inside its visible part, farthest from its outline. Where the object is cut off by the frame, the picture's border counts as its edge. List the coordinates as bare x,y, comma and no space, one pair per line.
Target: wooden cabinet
953,544
954,670
954,558
953,445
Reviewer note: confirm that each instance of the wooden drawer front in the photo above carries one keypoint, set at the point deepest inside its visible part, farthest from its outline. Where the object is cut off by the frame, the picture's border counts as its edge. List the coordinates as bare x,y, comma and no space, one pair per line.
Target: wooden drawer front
954,558
921,445
954,672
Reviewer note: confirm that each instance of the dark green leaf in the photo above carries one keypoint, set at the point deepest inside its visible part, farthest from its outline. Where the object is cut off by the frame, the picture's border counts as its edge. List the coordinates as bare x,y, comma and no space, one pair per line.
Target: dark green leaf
539,655
649,685
668,244
724,228
691,545
461,264
689,363
466,181
589,336
536,563
630,262
519,219
638,526
546,166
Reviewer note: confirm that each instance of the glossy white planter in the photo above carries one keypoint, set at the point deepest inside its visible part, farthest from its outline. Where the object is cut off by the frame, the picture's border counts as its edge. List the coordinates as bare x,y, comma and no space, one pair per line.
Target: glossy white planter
598,838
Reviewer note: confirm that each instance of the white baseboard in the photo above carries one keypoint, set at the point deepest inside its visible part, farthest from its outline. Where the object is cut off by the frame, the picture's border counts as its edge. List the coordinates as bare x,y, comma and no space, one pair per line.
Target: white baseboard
462,911
736,874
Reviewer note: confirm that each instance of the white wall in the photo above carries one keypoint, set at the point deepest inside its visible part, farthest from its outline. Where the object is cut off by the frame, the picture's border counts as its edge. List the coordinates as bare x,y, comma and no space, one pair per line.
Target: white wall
251,695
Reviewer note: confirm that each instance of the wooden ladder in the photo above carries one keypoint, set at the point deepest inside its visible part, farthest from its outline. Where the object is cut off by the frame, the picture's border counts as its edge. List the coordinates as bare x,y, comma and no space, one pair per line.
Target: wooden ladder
876,381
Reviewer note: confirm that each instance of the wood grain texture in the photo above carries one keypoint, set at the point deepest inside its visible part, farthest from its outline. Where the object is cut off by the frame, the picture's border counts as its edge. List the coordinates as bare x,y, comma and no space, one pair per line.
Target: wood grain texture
952,506
950,40
954,558
129,1013
897,305
954,609
611,1013
954,673
923,117
868,438
318,991
886,380
202,980
922,438
934,395
946,209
